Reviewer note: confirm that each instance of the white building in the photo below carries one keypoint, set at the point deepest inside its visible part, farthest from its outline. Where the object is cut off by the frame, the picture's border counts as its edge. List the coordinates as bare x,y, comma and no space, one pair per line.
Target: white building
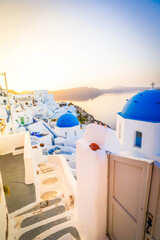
50,99
2,92
23,117
25,102
68,126
41,137
3,100
138,125
68,108
3,112
40,96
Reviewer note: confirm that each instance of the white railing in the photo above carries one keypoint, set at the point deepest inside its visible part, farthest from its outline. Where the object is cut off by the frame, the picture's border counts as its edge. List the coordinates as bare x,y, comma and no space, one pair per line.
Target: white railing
28,161
9,143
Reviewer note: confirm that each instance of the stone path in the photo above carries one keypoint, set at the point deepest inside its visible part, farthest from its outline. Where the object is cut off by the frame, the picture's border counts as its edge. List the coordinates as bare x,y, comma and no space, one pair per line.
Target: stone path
40,205
38,230
49,219
73,231
42,216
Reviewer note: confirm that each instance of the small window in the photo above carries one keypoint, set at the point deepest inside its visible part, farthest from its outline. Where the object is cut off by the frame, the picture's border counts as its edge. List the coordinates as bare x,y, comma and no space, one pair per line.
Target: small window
75,134
65,133
138,140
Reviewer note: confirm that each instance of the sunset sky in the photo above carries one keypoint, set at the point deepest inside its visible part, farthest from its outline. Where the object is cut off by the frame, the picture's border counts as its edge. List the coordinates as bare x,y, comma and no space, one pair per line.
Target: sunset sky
59,44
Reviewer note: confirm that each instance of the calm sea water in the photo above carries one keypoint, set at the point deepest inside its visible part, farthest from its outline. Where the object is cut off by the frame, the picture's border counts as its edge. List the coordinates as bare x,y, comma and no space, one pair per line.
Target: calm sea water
105,107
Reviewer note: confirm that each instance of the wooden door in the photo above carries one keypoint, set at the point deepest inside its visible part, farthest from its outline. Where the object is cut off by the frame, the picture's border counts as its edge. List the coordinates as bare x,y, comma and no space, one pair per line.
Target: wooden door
129,184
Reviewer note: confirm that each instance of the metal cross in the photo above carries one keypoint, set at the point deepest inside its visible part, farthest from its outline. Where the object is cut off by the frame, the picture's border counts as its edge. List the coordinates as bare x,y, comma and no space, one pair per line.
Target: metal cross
152,84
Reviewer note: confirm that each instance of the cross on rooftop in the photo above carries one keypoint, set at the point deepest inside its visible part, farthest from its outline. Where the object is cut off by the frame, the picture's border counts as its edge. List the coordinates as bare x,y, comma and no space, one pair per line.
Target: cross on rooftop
152,84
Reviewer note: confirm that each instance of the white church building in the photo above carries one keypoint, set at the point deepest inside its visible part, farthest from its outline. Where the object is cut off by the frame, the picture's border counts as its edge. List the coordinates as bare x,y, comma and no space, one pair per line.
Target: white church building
68,126
138,125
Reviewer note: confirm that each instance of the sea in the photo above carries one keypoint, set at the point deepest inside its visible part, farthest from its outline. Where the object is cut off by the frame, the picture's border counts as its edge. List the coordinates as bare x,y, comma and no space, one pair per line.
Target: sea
106,106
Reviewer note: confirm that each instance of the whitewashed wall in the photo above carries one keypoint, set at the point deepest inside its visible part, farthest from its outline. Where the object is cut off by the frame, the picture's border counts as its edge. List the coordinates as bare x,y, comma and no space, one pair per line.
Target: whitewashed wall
69,185
10,142
2,99
150,136
72,132
38,127
51,99
28,160
3,212
26,103
157,142
3,113
27,115
92,168
46,139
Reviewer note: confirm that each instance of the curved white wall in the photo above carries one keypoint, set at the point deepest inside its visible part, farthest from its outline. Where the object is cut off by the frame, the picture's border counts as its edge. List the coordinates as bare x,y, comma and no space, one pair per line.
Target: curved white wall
92,168
71,132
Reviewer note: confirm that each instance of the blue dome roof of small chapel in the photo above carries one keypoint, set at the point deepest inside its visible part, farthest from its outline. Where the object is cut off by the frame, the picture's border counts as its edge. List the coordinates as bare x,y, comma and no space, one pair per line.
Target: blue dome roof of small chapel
144,106
67,120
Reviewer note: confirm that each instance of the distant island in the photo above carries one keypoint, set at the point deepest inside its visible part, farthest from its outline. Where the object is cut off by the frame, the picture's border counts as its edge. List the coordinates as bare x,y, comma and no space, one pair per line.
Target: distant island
85,93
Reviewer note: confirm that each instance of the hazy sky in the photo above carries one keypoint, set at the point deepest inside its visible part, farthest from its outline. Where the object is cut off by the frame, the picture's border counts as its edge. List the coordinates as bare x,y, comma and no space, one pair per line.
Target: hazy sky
58,44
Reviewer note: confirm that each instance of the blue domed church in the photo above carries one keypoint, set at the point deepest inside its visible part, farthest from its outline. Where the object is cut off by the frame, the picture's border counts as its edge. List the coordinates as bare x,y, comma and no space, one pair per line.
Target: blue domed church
68,126
138,124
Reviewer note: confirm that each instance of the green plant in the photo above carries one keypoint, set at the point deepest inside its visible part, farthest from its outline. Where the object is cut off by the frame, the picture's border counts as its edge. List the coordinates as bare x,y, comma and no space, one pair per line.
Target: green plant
70,104
6,190
82,120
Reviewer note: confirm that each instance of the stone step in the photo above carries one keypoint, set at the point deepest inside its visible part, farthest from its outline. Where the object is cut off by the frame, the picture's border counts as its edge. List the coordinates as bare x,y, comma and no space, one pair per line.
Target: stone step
67,236
46,168
43,204
58,235
42,216
29,235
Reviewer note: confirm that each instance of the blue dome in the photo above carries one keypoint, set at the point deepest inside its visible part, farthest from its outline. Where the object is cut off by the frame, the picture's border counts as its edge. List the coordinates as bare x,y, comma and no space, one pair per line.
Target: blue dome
67,120
144,106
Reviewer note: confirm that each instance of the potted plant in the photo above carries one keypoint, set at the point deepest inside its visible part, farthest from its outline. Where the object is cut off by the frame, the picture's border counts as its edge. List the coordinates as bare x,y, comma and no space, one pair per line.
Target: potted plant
6,190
